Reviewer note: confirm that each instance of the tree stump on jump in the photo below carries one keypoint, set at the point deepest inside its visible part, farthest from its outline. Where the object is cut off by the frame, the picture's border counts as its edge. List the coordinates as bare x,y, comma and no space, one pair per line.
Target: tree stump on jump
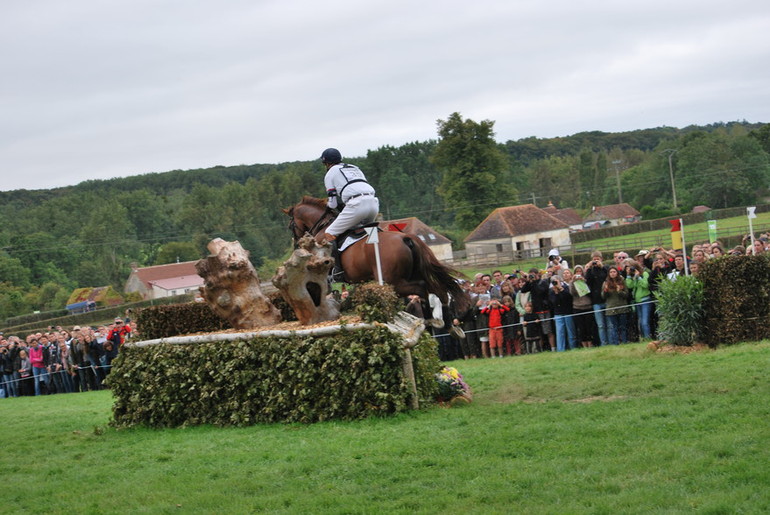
232,287
303,282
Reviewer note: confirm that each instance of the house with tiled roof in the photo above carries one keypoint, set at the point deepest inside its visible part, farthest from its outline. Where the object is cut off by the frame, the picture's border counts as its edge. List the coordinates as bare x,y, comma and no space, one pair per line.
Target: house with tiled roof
567,215
526,230
153,282
438,243
613,214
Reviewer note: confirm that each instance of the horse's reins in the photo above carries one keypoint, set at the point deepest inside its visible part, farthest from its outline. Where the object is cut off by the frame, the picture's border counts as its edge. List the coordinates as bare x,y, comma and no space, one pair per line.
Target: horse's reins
321,223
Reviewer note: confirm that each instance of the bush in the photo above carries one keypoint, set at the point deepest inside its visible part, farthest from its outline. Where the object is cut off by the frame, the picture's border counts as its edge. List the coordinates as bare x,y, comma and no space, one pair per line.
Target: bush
738,293
681,310
351,375
375,303
175,319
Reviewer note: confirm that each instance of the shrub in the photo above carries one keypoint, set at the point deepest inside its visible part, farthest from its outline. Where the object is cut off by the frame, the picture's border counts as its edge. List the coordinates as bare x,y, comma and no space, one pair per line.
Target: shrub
738,293
375,303
175,319
351,375
681,310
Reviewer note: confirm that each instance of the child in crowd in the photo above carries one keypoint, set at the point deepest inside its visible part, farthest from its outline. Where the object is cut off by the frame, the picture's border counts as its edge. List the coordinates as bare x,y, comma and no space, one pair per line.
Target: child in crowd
531,324
495,310
510,319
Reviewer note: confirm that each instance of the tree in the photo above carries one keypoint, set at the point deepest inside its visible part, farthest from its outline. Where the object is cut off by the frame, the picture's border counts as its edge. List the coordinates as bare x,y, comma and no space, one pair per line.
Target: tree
473,169
720,170
177,251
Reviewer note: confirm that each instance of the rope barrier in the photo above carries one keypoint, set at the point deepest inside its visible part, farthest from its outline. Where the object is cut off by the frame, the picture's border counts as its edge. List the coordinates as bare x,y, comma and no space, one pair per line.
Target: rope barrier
520,324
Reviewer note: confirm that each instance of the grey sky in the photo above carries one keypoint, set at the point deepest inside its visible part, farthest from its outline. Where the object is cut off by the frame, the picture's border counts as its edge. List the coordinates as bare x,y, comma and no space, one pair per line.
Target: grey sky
98,89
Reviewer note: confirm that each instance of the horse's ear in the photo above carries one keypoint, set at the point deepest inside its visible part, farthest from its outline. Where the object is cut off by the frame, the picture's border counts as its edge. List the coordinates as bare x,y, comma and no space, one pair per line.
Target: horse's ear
287,211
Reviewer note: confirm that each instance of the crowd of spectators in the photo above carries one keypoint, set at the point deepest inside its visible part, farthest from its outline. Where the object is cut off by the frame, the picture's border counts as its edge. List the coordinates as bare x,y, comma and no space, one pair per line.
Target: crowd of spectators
61,360
559,307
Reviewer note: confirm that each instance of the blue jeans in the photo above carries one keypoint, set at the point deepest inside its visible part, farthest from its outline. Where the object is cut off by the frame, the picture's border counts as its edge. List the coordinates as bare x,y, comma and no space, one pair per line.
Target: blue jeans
601,324
565,332
39,374
617,328
11,388
644,314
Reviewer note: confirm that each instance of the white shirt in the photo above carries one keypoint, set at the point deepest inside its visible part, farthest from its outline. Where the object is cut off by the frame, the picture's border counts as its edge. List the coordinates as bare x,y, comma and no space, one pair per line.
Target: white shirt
345,181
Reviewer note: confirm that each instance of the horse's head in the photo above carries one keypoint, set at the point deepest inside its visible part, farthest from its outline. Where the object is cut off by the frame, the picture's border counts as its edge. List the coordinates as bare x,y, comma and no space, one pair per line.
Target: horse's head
310,215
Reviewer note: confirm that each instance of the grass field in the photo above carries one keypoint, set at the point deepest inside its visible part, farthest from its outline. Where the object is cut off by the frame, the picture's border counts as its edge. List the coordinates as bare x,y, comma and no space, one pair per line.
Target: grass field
608,430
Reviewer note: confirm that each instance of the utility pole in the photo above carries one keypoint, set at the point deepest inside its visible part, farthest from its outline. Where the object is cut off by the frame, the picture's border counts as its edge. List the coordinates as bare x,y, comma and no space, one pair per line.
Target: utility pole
671,152
615,164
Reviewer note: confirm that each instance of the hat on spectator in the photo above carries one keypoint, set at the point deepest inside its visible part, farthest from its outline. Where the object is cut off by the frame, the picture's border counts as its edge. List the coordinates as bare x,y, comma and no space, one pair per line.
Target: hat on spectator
553,252
119,320
642,252
76,328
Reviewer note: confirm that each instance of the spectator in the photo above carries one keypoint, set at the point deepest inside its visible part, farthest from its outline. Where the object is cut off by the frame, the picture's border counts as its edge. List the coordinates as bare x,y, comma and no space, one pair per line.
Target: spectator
538,288
531,325
678,269
24,368
37,360
495,312
717,251
581,306
699,256
596,275
637,281
511,332
561,301
555,260
7,383
483,291
616,296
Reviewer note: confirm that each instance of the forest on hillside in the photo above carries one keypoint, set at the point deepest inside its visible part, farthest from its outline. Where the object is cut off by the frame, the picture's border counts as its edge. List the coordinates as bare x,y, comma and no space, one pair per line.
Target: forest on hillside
89,234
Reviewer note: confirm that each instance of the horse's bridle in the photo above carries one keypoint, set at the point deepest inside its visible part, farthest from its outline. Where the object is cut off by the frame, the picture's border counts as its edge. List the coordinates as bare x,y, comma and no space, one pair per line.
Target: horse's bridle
320,224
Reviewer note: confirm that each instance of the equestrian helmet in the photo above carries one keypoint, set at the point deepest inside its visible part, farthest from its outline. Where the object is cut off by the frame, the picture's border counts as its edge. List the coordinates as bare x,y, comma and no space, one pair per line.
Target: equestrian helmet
331,156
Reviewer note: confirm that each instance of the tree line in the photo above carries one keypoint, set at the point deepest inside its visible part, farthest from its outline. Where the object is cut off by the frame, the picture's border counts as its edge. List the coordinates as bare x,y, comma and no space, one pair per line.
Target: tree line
89,234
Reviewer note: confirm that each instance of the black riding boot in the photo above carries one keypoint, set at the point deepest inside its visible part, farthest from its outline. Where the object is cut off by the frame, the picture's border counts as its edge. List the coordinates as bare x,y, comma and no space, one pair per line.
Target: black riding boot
336,275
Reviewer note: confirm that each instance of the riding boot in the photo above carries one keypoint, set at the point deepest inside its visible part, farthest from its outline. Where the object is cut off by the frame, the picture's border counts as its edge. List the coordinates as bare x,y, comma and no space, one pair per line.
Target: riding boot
336,274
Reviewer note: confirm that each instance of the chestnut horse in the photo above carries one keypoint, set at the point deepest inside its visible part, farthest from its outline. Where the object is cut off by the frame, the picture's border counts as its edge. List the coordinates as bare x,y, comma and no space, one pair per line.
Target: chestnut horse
407,262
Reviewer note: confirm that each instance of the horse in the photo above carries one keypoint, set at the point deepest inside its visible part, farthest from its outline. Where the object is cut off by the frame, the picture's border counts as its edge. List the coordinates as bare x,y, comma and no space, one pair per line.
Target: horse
407,263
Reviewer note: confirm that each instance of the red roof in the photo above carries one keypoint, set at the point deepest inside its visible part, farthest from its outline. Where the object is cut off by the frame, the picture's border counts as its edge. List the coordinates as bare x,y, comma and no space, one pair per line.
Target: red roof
416,226
156,273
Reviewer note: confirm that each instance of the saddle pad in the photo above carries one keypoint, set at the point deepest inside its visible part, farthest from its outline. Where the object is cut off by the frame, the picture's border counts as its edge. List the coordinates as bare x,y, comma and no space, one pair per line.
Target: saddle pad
350,240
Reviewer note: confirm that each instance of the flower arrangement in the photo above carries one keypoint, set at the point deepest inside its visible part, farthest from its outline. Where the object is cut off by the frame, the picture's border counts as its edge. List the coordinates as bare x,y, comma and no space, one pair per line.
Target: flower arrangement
452,387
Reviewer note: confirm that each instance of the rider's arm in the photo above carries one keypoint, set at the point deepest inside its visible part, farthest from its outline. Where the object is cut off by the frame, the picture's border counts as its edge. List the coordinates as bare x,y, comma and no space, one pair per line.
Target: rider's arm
331,191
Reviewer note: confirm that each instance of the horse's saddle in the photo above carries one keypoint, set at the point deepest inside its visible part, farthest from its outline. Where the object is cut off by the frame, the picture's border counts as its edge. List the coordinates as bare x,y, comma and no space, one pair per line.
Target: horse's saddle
349,237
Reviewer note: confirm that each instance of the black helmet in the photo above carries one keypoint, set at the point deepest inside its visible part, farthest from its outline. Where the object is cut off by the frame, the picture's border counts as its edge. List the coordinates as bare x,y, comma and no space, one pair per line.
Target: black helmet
331,156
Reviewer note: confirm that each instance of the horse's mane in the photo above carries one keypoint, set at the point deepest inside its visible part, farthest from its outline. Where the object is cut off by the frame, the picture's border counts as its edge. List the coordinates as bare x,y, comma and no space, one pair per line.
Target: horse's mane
313,201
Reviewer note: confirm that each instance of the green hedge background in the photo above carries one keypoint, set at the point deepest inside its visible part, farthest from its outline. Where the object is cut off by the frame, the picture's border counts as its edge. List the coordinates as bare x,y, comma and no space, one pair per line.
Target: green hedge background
352,375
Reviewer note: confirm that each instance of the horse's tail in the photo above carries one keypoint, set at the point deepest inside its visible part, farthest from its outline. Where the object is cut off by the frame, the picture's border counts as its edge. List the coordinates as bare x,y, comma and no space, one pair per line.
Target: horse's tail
439,278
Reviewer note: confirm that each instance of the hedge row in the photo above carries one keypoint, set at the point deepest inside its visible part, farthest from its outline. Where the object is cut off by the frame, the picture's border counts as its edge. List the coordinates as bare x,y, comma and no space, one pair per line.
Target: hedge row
175,319
737,299
351,375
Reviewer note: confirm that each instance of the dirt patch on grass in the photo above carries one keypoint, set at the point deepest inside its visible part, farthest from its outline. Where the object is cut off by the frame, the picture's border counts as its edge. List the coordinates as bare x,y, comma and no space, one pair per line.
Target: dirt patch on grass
661,346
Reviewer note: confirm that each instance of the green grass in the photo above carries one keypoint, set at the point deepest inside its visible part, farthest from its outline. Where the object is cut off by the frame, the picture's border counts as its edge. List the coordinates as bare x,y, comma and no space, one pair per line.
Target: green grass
605,430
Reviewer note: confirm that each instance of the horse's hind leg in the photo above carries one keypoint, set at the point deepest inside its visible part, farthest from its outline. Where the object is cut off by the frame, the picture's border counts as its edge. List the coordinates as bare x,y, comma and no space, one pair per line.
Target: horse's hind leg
404,288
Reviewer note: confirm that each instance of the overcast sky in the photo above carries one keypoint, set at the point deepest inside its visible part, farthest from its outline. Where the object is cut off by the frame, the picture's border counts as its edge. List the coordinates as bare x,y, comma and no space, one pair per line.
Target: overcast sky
94,89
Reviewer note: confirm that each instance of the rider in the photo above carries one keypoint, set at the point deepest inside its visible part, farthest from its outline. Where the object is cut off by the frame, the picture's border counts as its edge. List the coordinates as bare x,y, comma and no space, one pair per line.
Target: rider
348,192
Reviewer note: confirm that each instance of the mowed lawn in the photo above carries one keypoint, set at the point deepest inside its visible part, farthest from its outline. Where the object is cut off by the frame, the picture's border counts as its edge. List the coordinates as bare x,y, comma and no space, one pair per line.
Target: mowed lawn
608,430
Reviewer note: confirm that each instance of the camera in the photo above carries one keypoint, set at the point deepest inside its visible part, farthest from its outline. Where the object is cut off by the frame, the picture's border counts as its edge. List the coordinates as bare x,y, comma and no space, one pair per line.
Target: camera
531,277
